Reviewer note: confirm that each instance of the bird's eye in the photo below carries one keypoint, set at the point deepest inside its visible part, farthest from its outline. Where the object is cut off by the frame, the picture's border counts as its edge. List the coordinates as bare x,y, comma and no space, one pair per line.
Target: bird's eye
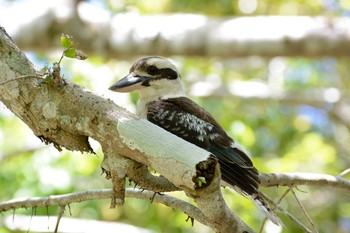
152,70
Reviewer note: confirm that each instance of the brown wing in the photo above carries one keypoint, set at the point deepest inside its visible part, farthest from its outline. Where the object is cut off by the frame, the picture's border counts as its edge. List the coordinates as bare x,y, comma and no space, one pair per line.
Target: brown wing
184,118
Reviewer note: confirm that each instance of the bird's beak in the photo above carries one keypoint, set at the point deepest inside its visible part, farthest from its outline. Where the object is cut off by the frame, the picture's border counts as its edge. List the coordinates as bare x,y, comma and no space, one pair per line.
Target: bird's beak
129,83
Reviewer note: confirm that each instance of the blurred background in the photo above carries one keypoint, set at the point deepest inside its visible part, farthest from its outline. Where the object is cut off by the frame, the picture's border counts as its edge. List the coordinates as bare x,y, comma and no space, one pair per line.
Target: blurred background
290,109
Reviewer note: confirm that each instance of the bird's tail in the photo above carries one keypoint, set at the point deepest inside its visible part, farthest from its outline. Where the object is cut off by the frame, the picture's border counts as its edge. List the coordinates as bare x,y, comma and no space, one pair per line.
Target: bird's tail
265,208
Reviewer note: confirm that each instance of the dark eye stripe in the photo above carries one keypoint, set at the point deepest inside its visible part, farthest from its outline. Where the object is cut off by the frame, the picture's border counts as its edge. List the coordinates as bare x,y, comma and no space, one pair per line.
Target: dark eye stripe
168,73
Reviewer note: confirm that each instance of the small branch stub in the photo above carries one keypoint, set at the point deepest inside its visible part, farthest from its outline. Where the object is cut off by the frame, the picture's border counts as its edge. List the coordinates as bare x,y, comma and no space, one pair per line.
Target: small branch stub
205,172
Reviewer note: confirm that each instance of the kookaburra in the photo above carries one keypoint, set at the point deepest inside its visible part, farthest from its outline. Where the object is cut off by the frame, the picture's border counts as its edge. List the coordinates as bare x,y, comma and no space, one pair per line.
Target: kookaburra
164,103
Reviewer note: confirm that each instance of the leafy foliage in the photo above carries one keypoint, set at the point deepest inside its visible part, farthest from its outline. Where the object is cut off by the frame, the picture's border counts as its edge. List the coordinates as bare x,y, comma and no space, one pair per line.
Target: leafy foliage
69,50
282,134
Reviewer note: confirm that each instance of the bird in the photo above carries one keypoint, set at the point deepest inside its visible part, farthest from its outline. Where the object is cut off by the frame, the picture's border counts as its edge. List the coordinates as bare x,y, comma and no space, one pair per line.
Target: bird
164,103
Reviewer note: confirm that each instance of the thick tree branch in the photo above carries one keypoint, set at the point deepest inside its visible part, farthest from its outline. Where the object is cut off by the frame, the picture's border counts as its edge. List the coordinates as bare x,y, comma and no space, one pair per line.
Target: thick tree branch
66,114
130,34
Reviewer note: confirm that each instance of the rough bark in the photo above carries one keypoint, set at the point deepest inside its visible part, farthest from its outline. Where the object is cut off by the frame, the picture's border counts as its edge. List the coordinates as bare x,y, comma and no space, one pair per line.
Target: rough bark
66,114
131,34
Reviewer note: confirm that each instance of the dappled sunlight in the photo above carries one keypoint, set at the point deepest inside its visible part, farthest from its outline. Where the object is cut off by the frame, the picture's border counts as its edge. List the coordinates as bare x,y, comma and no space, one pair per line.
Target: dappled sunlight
247,6
311,154
243,133
331,95
54,178
302,123
249,89
289,108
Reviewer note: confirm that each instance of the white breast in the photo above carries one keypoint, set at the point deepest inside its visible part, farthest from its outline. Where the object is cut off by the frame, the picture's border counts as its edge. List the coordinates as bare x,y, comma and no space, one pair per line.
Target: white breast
141,110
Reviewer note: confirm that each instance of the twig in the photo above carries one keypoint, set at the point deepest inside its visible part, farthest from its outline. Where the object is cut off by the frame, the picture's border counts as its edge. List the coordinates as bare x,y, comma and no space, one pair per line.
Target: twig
48,217
273,208
62,55
60,214
12,154
31,218
304,211
285,212
343,173
20,77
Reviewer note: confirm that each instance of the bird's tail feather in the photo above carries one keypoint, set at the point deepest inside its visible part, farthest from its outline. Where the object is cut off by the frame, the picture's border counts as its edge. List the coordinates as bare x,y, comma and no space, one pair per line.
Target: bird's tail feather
265,208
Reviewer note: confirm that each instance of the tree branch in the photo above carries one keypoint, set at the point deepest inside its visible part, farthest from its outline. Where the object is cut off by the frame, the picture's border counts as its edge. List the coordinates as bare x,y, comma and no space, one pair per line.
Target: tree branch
65,114
67,199
274,179
99,32
299,178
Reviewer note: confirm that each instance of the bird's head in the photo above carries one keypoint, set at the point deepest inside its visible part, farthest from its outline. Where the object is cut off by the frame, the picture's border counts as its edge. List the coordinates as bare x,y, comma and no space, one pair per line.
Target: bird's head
151,77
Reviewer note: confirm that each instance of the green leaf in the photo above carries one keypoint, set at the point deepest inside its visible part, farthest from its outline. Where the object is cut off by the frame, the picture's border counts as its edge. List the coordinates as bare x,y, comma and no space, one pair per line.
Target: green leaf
44,69
47,79
70,53
66,41
201,181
